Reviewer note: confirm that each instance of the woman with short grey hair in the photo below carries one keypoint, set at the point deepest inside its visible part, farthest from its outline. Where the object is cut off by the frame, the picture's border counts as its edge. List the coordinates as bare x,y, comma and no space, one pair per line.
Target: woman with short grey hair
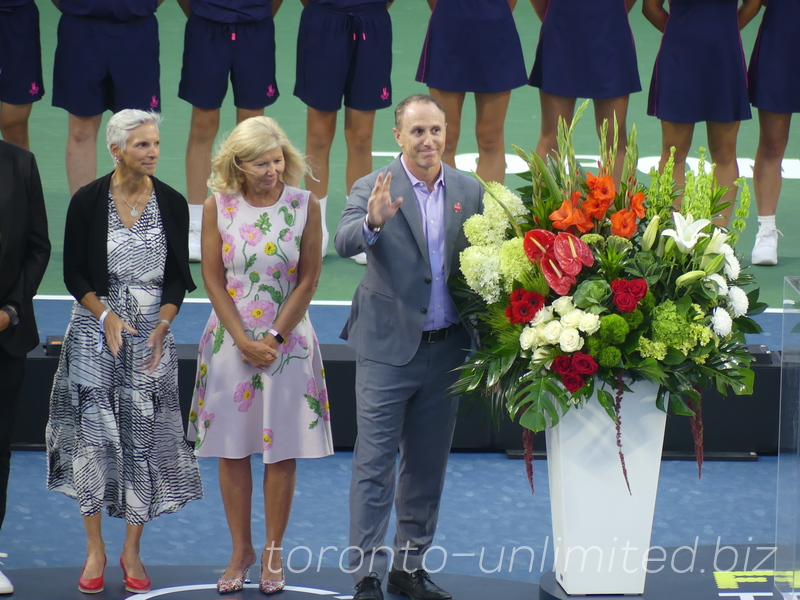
114,437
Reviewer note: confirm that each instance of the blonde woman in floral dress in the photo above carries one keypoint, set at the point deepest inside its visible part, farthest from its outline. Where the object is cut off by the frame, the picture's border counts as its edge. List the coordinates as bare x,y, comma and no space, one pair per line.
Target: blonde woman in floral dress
260,386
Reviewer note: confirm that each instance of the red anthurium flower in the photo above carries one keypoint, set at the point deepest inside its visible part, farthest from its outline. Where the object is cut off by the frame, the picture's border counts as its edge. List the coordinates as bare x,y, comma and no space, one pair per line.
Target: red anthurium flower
559,281
568,246
537,243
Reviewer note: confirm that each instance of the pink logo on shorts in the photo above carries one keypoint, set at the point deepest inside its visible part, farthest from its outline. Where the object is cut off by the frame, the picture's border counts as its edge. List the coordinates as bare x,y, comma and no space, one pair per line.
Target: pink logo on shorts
153,102
34,89
385,94
270,91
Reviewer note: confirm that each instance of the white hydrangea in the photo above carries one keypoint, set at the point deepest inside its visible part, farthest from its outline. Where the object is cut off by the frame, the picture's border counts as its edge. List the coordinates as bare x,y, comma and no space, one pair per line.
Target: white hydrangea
563,305
590,323
477,230
572,318
492,209
570,340
721,284
738,301
551,331
721,322
529,338
480,266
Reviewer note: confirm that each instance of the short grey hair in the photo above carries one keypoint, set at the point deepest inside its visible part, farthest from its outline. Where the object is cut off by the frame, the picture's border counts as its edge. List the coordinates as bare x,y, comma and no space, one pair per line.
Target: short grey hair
120,125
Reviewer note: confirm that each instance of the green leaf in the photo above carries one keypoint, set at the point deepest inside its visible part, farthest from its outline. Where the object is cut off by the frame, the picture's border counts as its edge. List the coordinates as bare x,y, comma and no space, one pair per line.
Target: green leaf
674,356
287,215
219,336
249,263
606,400
257,382
263,223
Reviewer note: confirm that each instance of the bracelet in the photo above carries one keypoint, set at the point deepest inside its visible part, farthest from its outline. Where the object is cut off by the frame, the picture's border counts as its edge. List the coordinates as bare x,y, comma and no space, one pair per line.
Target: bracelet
166,322
103,317
276,335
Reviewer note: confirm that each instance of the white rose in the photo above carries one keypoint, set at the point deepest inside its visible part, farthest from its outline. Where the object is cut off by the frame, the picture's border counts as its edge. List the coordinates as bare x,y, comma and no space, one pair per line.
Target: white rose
542,356
551,331
563,305
590,323
572,318
570,340
543,316
529,338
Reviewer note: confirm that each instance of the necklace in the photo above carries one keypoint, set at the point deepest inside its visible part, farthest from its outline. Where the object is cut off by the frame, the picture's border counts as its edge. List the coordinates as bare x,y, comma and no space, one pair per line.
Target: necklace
134,212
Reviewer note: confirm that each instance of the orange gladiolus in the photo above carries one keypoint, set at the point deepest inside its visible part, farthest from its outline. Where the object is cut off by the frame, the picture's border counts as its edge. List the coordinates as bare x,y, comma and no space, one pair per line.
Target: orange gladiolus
567,216
637,205
595,208
601,188
623,223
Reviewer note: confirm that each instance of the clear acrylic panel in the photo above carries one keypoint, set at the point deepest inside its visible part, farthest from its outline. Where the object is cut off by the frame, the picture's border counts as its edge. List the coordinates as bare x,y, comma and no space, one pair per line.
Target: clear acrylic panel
788,496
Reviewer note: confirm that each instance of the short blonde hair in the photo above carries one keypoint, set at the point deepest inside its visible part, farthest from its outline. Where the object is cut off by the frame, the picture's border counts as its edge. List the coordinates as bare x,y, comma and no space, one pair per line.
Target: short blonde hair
250,139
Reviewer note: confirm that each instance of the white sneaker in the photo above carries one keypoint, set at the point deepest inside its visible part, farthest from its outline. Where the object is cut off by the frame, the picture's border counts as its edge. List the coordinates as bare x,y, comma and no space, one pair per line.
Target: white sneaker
765,249
360,258
194,241
326,237
6,587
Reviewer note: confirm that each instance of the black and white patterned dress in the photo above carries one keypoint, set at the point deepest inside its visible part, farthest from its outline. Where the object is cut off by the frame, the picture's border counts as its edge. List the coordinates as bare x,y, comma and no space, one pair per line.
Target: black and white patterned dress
115,434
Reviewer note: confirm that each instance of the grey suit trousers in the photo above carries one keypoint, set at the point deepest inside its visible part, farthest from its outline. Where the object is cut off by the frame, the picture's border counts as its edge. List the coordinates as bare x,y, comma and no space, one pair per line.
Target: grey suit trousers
406,408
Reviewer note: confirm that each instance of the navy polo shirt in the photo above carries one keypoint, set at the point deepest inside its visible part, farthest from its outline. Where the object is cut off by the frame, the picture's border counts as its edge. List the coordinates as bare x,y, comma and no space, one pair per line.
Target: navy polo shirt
115,10
232,11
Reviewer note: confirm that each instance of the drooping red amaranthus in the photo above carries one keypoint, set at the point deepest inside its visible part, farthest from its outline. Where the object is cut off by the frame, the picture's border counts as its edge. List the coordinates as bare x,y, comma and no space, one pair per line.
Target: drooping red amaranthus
527,453
617,405
697,432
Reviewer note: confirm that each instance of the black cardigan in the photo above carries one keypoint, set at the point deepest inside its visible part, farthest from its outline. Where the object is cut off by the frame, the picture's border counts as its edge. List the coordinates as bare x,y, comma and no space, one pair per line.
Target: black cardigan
86,239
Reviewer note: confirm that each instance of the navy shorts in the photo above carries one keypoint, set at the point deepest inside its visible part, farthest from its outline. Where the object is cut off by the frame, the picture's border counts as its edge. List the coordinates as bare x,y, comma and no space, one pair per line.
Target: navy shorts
344,55
20,56
212,51
103,65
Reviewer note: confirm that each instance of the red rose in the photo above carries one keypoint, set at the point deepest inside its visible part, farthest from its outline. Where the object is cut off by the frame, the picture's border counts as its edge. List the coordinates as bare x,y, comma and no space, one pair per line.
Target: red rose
562,365
583,364
625,302
572,381
619,286
637,287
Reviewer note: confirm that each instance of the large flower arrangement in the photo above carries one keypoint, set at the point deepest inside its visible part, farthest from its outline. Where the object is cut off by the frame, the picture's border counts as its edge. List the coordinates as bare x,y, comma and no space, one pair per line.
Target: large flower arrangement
577,288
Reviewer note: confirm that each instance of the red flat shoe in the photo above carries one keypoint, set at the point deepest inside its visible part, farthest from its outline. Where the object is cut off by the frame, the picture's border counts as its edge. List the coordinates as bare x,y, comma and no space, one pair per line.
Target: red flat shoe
91,586
133,585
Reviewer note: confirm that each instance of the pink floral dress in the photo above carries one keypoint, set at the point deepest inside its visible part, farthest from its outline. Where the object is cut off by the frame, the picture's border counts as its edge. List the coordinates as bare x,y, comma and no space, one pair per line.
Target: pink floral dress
238,410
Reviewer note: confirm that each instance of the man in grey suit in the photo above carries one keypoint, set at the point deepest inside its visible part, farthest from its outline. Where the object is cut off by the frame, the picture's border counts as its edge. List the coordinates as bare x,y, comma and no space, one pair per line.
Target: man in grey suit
24,253
408,338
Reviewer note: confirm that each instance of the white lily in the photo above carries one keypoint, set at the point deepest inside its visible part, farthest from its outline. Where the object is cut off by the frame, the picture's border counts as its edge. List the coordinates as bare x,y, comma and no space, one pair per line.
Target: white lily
718,238
687,231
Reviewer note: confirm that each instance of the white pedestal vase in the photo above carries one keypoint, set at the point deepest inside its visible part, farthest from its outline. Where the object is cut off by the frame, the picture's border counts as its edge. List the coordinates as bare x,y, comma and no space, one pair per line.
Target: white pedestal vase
601,532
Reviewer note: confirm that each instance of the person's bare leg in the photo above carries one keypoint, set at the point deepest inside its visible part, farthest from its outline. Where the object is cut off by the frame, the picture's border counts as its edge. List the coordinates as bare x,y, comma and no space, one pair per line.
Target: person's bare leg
82,150
95,547
131,549
14,123
202,133
279,483
320,129
452,102
608,108
772,141
722,147
490,122
236,485
358,129
679,136
553,107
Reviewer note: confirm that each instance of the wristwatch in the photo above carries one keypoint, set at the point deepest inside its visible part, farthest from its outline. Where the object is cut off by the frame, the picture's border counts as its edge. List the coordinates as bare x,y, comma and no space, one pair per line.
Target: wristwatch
277,335
12,314
372,228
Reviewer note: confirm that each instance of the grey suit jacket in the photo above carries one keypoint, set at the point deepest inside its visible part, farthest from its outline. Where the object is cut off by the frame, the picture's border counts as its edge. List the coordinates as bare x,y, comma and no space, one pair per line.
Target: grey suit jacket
391,302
